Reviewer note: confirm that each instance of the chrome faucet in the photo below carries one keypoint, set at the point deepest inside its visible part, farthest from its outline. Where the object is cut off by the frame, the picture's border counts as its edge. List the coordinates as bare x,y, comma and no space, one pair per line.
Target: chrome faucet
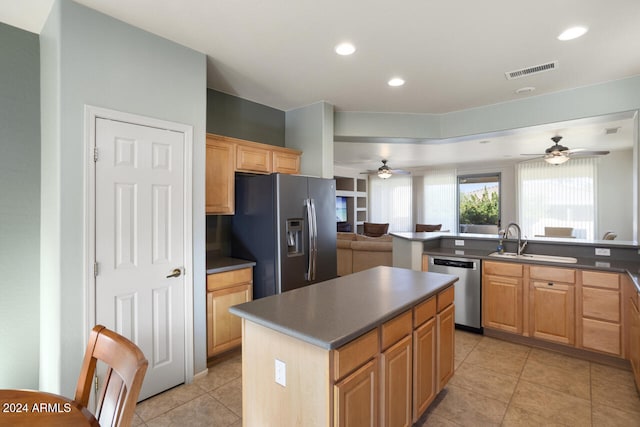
521,245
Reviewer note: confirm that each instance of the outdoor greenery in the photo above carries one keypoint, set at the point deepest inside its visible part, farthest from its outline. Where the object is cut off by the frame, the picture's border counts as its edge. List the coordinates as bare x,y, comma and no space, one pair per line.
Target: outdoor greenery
476,209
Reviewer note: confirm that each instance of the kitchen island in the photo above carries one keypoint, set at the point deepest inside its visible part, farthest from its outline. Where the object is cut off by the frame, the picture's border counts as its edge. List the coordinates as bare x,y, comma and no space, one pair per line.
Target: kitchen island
369,348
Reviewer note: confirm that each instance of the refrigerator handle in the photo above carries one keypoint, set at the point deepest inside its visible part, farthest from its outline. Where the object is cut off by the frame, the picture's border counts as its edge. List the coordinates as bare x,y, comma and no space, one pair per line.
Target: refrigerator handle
315,239
308,274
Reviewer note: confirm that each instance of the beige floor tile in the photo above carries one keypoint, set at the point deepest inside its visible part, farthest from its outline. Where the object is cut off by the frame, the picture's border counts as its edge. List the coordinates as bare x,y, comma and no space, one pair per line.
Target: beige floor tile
168,400
467,408
606,416
230,395
608,373
221,373
614,392
550,405
503,359
518,417
202,411
573,380
557,359
487,383
137,421
432,420
465,343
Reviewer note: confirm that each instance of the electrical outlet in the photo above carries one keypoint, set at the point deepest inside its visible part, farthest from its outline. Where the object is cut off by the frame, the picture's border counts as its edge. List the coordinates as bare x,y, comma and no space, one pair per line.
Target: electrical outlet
459,242
281,373
603,251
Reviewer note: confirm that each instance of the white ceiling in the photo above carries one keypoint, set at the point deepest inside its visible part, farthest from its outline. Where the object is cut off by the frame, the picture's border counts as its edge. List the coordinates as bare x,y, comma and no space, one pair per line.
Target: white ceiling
452,53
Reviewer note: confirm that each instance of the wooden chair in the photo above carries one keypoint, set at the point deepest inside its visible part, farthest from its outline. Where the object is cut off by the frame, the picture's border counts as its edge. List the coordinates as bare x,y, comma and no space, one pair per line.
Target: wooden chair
121,384
428,227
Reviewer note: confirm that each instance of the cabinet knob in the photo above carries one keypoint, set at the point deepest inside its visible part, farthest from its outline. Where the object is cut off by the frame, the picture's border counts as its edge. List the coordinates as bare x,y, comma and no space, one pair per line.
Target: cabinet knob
550,283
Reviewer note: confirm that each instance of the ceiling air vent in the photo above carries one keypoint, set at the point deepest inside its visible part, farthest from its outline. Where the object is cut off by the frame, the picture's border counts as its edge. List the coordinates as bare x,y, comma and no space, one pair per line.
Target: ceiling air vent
536,69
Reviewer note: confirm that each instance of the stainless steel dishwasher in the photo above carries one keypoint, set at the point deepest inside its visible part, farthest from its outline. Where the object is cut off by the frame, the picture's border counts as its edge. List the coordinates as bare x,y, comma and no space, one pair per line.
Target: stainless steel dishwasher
467,289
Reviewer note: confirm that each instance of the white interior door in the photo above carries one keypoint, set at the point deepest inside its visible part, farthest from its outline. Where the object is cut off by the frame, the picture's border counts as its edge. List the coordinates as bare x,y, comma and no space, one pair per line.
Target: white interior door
140,244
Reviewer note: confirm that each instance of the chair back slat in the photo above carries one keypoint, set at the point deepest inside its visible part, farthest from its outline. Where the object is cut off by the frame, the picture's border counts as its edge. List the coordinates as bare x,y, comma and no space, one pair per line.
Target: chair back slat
122,383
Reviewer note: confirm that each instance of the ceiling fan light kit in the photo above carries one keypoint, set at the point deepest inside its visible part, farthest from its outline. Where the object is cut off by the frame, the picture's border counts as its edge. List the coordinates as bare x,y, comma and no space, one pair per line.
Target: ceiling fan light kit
383,171
558,154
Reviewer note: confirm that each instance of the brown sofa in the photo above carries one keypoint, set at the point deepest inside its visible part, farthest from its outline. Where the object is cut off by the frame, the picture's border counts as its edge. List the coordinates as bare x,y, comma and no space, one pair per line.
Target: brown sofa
357,252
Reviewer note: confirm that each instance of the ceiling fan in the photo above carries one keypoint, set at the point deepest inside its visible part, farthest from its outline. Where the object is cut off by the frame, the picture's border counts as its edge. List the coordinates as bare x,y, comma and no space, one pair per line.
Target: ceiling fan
558,154
385,171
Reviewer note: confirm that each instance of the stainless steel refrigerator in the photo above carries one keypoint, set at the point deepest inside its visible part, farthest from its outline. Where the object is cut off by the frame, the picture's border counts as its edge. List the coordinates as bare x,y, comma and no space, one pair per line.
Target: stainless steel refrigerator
287,225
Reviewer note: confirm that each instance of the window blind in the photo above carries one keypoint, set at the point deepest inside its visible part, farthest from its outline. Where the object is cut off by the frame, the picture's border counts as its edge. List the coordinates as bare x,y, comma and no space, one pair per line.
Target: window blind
390,201
557,196
440,199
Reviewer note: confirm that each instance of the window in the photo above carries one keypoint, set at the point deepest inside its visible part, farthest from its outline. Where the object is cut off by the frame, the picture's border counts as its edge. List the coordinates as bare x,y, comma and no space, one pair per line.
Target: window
479,203
390,201
557,196
440,199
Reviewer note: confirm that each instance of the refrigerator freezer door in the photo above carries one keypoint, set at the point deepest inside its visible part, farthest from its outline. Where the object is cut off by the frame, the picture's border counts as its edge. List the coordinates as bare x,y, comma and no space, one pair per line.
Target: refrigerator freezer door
291,194
323,193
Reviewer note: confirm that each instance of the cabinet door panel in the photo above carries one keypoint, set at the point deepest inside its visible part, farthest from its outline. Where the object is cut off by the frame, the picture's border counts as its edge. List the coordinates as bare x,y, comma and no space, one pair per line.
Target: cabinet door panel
286,162
424,367
253,159
503,303
395,381
223,328
446,345
554,312
220,158
356,398
601,304
601,336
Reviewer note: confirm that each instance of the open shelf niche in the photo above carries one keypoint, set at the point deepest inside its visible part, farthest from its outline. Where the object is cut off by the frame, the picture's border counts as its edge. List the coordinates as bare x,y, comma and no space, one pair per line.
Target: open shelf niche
354,189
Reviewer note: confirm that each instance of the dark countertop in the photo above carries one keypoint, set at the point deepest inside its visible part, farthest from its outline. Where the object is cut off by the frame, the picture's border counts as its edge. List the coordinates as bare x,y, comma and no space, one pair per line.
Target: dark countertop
332,313
631,268
216,264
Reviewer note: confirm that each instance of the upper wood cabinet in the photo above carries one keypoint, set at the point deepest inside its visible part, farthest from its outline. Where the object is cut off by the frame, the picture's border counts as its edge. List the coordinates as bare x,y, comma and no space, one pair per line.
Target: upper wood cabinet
219,197
226,155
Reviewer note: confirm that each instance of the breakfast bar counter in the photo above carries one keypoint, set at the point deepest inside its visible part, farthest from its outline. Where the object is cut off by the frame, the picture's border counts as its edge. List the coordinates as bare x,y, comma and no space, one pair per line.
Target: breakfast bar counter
377,344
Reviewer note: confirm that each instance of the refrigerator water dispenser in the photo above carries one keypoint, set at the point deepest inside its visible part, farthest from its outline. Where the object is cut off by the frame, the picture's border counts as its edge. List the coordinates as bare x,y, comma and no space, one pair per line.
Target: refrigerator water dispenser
294,237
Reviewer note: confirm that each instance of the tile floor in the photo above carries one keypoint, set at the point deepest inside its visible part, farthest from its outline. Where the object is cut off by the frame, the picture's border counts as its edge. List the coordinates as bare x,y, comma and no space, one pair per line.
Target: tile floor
496,383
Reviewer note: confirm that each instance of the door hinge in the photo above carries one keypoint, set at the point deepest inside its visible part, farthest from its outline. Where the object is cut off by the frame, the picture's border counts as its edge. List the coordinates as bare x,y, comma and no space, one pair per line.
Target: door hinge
96,384
95,154
95,270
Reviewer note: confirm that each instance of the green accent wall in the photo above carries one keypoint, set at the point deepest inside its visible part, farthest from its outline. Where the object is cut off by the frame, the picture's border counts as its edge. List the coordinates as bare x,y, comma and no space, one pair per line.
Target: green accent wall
229,115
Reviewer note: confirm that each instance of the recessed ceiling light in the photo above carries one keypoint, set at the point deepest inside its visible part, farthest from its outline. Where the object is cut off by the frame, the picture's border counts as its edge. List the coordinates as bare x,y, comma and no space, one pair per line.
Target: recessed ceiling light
345,49
527,89
396,81
572,33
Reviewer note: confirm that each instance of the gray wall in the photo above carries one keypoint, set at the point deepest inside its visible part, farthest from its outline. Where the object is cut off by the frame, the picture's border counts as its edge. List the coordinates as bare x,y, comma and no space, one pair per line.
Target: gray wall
229,115
19,207
310,130
89,58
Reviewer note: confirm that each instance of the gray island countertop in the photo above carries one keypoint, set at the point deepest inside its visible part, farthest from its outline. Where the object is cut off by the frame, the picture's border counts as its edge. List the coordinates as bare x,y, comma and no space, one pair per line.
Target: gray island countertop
332,313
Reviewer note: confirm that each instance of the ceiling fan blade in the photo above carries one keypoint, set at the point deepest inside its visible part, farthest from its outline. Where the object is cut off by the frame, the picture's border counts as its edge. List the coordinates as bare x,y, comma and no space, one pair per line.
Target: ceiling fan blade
399,172
585,152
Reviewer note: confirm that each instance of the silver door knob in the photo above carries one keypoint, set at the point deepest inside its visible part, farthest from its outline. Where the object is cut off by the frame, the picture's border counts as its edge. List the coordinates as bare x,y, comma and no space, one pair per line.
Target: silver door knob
175,273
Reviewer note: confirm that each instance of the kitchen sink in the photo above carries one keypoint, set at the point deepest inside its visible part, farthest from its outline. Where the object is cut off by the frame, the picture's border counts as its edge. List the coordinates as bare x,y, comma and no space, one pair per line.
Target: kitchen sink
535,257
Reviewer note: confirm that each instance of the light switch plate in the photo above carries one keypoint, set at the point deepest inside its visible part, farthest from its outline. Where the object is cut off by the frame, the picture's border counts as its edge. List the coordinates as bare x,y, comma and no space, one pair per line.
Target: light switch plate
281,373
603,251
459,242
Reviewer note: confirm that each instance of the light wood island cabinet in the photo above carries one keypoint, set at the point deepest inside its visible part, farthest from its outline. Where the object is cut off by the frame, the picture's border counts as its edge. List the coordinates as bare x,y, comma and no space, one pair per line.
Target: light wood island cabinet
385,376
226,289
226,155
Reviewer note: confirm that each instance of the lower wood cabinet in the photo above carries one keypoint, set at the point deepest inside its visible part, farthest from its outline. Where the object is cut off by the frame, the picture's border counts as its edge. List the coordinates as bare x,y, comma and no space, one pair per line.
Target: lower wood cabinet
634,340
600,325
553,311
502,296
415,361
446,345
424,366
356,397
224,330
